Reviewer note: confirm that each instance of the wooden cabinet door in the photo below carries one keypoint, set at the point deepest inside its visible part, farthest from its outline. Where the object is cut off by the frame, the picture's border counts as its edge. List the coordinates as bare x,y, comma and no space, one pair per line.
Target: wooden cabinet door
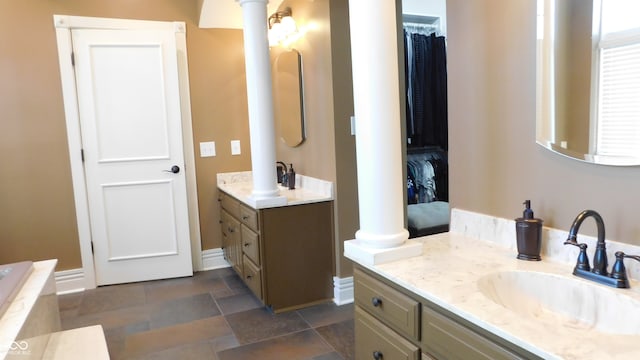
444,338
297,246
231,240
376,341
226,238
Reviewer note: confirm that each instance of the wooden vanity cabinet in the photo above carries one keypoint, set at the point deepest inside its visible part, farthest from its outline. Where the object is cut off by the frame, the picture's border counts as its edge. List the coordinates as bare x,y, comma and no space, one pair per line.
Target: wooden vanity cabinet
283,254
231,240
395,323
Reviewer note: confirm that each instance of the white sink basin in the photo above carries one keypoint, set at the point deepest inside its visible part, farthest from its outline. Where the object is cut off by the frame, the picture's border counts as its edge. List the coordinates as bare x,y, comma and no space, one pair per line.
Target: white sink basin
584,305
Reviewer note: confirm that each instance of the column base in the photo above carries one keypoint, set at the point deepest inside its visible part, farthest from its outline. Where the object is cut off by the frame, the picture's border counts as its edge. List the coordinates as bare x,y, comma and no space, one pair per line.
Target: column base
360,253
267,202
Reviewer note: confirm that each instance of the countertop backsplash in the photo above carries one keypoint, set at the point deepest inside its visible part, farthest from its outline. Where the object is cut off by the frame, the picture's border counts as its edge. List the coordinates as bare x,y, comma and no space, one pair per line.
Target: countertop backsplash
503,232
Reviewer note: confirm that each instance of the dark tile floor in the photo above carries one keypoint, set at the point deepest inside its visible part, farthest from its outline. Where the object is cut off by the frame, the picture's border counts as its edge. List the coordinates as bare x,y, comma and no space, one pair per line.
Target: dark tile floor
211,315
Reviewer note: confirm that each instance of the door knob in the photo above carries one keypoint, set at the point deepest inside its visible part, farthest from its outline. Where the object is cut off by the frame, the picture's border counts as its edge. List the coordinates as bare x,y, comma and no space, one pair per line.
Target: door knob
174,169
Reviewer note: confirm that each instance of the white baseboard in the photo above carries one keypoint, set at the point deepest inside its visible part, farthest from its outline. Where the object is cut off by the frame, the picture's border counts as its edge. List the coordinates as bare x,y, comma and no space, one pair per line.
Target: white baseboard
213,259
69,281
342,290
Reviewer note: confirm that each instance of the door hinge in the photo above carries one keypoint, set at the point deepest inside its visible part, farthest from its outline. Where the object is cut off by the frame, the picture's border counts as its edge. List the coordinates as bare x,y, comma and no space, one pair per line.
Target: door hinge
92,248
73,59
82,154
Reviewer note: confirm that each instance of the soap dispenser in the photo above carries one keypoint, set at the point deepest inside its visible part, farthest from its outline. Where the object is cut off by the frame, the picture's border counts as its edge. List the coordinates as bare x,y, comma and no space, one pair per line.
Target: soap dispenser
528,234
291,177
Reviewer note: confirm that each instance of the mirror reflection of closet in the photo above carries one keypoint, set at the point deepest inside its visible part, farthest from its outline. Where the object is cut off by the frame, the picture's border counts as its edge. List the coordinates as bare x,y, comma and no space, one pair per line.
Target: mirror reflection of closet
288,97
426,118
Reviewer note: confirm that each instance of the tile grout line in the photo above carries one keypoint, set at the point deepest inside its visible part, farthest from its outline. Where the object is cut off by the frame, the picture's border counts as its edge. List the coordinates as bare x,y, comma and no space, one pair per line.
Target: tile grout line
307,325
327,342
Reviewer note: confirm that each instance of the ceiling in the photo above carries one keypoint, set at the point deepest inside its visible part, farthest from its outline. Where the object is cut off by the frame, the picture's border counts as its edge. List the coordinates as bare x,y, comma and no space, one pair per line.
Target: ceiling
226,14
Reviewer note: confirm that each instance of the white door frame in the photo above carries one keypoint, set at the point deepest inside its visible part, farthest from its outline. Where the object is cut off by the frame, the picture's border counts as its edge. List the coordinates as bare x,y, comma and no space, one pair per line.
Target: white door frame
64,24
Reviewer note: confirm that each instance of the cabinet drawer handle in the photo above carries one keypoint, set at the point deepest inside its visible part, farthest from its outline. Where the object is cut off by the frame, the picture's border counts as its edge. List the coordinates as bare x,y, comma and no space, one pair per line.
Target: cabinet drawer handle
246,244
249,277
231,230
245,217
375,301
377,355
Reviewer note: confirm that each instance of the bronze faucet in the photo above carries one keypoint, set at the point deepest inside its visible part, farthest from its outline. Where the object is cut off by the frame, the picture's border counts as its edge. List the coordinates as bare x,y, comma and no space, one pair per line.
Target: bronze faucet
600,256
599,274
281,173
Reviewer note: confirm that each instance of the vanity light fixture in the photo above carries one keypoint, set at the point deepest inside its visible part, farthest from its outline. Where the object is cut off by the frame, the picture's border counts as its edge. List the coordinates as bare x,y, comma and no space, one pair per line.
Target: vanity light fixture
282,28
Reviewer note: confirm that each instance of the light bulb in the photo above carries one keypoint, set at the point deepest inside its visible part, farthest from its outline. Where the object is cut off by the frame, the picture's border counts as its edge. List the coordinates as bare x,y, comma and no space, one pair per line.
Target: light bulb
288,25
276,28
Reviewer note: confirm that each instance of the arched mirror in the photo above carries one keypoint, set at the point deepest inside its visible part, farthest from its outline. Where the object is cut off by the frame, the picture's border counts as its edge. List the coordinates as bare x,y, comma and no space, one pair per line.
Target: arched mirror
288,97
588,79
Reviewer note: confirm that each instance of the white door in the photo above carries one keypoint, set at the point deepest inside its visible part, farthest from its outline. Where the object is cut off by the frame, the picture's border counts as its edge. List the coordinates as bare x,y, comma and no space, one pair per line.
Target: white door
129,106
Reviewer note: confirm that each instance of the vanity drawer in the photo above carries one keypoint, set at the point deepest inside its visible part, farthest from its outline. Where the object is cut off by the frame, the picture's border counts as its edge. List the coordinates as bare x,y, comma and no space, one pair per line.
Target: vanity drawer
251,244
252,276
249,217
374,338
230,204
230,226
389,305
444,338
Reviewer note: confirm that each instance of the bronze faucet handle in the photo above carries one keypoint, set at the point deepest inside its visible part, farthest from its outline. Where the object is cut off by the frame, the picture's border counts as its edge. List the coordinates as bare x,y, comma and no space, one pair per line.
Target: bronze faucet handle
571,240
621,255
583,260
619,271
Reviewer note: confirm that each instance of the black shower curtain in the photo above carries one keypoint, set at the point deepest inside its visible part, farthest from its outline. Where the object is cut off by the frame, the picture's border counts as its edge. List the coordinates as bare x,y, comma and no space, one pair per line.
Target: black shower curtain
426,86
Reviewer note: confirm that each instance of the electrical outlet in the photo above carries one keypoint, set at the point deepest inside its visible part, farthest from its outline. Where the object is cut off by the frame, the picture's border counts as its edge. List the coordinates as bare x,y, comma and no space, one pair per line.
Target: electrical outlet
353,125
207,149
235,147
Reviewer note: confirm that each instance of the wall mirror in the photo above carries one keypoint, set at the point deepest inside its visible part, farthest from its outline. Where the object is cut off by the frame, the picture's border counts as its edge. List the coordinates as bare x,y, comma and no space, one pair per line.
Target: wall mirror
288,97
588,79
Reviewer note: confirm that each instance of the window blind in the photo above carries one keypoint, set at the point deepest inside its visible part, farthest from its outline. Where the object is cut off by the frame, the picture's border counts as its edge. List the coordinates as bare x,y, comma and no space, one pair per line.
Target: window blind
618,128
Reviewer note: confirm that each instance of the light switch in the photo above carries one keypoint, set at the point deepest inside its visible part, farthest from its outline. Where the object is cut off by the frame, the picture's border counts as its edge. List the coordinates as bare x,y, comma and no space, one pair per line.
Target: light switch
235,147
208,149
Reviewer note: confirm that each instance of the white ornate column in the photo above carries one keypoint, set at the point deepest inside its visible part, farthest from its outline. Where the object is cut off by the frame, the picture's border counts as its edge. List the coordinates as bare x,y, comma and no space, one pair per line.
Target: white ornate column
260,100
374,52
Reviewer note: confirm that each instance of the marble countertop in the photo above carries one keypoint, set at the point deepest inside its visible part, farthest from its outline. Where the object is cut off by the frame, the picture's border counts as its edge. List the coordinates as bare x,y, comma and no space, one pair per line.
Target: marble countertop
308,190
448,272
13,320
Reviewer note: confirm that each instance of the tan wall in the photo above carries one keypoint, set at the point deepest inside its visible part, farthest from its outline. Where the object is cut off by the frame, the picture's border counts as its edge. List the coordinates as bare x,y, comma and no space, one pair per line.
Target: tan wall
314,157
347,212
494,162
37,217
37,214
329,150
